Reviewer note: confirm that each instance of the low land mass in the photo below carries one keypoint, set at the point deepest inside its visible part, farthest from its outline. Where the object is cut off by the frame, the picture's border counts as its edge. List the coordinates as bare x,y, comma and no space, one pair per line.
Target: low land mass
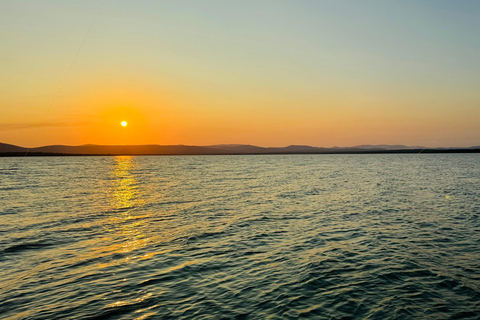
223,149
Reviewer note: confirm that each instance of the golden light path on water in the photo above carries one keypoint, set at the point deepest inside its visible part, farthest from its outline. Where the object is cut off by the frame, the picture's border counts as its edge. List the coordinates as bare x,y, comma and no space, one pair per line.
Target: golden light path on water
125,196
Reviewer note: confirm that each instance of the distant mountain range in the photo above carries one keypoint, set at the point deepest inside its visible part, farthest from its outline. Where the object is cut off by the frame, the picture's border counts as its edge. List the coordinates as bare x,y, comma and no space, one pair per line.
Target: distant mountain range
90,149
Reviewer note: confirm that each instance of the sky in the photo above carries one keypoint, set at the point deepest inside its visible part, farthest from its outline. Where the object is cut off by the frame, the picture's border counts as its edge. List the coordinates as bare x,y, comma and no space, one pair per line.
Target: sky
264,72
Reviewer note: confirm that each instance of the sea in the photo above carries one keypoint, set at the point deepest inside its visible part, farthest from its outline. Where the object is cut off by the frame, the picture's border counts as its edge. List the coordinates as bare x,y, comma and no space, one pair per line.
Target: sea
380,236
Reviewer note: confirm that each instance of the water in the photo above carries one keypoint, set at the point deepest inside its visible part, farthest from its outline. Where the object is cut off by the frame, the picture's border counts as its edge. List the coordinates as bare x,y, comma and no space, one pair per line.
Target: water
240,237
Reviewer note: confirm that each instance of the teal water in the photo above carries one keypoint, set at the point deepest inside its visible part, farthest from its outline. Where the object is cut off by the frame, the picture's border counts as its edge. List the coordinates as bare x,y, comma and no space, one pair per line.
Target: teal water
240,237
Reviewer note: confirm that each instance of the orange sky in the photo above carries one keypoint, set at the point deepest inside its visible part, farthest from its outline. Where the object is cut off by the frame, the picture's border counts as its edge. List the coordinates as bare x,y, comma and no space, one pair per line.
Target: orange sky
321,74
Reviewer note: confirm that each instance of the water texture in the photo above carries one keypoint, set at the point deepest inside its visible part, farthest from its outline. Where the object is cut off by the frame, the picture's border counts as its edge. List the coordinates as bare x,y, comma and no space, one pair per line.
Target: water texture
240,237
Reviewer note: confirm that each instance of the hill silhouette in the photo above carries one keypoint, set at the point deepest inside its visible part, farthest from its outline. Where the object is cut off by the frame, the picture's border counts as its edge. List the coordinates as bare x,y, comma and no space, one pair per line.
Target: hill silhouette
91,149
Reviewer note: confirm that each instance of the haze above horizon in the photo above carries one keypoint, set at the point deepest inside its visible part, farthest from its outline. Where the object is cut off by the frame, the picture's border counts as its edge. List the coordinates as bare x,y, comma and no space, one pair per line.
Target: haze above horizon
266,73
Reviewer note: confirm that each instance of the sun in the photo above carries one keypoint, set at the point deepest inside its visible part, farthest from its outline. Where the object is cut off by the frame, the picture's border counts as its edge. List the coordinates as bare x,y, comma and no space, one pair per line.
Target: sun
124,123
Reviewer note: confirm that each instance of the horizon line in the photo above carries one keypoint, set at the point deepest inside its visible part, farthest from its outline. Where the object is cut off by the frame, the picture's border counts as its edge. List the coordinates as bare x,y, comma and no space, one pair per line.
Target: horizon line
220,145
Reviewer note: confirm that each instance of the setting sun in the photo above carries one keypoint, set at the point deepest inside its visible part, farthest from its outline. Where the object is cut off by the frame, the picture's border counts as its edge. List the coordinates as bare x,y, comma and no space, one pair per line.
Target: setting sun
124,123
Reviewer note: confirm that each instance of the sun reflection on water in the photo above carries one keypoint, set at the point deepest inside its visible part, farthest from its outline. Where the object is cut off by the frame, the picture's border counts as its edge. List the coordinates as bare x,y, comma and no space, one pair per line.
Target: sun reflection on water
127,229
125,190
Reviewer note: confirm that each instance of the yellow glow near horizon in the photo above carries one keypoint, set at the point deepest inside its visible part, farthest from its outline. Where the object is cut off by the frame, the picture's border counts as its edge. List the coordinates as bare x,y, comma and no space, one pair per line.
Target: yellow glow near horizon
124,123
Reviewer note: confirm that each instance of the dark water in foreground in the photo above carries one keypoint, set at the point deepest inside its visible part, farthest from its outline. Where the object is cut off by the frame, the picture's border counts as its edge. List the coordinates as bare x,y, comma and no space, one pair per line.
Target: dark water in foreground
240,237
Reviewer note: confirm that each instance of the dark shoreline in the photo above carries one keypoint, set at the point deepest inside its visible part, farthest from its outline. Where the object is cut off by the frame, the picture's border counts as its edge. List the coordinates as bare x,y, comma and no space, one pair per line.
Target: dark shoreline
409,151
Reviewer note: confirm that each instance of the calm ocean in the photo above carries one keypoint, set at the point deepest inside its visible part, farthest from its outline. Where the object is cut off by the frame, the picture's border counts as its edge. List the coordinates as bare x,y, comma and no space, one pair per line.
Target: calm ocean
393,236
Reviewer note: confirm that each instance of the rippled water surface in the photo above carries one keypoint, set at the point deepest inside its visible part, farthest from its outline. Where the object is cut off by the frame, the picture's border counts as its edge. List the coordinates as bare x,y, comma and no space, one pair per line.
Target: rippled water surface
240,237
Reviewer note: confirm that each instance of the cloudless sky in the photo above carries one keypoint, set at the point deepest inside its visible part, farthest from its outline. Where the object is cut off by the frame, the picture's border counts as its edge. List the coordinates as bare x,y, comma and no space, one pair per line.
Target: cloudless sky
264,72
